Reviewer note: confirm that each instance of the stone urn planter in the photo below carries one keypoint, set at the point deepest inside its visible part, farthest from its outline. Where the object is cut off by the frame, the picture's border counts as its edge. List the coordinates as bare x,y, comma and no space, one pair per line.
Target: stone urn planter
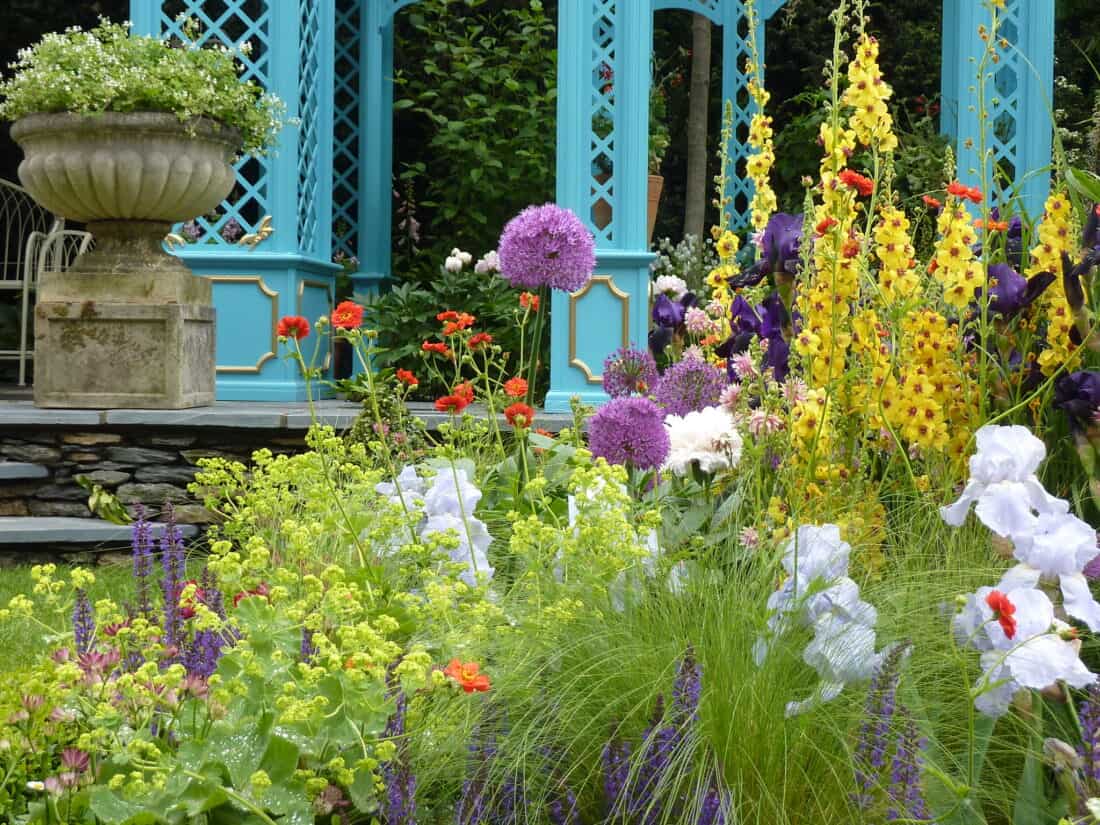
129,325
601,210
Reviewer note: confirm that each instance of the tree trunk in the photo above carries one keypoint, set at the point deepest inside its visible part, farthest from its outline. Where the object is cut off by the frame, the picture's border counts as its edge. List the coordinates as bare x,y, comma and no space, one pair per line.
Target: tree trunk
698,106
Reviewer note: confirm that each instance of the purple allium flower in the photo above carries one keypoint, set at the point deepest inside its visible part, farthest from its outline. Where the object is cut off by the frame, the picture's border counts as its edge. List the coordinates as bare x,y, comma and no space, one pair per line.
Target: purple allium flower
690,385
1078,394
232,231
1090,734
628,371
142,542
629,431
906,793
547,246
83,623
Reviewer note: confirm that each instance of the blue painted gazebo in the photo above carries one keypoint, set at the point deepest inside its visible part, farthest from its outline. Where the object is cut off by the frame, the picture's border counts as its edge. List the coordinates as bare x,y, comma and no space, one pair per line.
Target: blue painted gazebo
327,188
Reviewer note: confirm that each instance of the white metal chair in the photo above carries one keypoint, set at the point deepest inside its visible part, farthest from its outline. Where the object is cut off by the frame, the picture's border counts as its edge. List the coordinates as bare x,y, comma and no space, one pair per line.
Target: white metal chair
54,252
20,217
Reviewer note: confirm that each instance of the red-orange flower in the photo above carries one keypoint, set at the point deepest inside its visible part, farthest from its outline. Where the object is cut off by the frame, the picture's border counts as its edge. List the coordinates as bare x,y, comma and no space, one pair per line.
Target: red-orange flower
456,322
451,404
864,185
447,315
825,225
529,300
992,226
541,431
467,676
347,315
292,326
478,339
851,248
406,377
259,590
437,347
515,387
933,203
519,415
969,193
465,390
1003,610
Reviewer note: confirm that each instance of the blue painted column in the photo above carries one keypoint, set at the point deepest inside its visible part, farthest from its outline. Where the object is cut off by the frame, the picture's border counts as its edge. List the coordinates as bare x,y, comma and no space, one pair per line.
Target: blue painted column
375,146
602,130
1019,92
289,272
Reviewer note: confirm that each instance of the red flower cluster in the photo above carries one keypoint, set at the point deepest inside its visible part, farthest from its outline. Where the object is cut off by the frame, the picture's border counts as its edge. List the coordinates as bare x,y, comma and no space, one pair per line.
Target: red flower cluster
406,377
347,315
1003,610
478,339
519,415
825,225
467,675
292,326
454,322
259,590
437,347
970,193
854,180
459,399
515,387
529,300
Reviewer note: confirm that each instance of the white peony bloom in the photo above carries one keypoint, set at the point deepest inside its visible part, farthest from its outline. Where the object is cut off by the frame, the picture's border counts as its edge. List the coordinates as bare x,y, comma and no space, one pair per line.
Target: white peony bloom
671,285
453,264
1003,483
1030,654
1057,549
708,436
490,263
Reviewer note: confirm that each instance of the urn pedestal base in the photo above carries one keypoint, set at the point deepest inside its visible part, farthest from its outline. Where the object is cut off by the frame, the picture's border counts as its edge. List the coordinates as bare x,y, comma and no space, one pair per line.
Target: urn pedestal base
129,326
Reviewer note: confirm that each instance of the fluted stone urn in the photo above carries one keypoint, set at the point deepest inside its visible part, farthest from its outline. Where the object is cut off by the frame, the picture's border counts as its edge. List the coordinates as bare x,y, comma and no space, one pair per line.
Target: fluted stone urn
129,325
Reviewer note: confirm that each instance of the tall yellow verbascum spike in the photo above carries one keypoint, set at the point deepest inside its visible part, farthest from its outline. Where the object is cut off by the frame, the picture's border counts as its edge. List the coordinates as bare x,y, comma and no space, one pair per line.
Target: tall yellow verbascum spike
1056,236
867,94
759,164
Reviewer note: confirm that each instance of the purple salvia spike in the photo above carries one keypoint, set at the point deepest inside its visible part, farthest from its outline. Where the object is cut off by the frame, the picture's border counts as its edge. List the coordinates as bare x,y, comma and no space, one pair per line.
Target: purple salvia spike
687,688
308,650
142,543
1090,734
83,624
906,792
172,561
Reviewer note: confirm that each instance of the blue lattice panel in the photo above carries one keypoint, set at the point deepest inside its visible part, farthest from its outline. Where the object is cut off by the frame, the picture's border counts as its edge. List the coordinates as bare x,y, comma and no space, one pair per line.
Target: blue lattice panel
251,293
604,74
346,113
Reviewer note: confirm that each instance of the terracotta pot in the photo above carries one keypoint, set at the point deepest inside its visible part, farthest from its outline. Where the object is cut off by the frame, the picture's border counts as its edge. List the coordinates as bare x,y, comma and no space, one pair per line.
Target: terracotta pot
601,209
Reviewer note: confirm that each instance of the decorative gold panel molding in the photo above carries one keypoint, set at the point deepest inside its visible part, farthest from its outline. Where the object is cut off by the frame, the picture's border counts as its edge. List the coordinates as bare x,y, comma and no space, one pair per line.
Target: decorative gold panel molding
273,347
624,299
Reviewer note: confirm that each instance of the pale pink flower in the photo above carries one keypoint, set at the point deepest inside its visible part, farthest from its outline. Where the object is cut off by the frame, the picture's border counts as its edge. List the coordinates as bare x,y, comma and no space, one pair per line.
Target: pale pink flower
750,538
794,390
697,321
730,396
743,366
764,423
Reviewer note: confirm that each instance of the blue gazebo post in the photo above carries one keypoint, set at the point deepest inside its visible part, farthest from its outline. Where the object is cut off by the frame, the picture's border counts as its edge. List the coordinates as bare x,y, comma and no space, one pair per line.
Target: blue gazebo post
605,126
1019,95
289,272
602,124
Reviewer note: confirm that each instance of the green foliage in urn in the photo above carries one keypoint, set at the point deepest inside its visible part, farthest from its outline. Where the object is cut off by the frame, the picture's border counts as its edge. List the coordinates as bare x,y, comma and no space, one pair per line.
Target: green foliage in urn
107,69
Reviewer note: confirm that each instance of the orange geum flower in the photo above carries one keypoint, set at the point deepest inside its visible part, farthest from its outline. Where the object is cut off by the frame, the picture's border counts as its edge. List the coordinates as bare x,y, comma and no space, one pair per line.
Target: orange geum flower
347,315
292,326
437,347
515,387
519,415
407,377
467,676
478,339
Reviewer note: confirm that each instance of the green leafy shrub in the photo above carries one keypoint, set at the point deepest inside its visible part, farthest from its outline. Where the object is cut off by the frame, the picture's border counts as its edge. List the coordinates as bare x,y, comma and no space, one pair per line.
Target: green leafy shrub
109,70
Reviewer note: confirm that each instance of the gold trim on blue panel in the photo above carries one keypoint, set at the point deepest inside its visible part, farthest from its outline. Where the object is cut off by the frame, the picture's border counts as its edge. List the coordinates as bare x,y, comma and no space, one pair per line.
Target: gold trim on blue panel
239,369
574,297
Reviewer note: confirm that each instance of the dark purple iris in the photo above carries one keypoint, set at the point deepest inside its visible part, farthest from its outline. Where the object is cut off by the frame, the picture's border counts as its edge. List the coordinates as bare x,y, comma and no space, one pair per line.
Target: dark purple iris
1078,394
1092,228
668,316
780,242
1012,292
766,322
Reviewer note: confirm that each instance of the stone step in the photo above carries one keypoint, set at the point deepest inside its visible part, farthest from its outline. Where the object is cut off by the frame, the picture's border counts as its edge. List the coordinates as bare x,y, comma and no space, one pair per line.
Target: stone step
21,471
85,531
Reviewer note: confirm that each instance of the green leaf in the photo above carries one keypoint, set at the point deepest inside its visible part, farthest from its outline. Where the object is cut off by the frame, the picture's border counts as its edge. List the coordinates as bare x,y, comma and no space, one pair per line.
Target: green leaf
403,104
1084,182
111,808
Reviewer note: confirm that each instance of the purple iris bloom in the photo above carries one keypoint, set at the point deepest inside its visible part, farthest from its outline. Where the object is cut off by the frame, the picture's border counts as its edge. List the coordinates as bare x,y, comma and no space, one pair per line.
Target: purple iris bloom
668,313
777,357
1092,228
1013,292
1078,394
780,242
772,316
